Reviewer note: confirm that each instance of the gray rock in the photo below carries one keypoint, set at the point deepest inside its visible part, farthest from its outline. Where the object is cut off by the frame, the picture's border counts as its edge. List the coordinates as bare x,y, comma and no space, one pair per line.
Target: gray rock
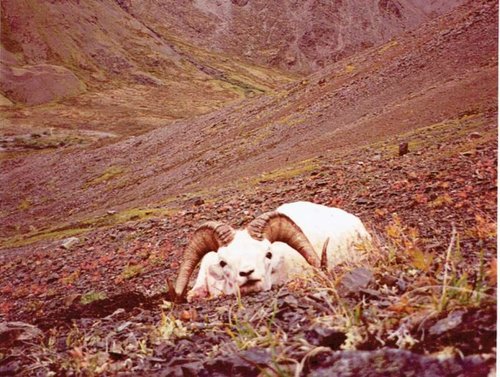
393,363
246,363
12,333
68,243
446,324
355,280
326,337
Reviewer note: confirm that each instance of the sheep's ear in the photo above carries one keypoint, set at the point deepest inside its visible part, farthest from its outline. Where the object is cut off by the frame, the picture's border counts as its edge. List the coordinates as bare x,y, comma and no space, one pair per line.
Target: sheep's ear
216,272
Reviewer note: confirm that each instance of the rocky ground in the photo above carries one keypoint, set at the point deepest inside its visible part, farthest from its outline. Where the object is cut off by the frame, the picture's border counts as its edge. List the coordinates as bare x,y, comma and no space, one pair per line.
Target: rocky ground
425,304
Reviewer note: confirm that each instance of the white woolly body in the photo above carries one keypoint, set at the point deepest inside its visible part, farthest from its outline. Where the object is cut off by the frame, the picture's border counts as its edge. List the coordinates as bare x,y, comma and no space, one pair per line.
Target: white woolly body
320,223
245,254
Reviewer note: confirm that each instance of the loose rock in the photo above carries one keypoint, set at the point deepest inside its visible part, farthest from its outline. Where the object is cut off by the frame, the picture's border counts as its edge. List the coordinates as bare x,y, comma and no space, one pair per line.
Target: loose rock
68,243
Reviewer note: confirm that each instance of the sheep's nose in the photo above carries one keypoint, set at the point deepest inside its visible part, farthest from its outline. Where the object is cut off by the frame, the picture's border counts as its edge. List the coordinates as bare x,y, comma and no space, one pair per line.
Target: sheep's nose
246,273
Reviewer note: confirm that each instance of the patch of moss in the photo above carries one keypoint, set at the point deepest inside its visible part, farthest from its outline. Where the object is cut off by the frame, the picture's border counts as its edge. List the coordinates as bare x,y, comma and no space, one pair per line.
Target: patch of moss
73,229
131,271
350,68
289,172
227,71
241,88
110,173
92,296
53,234
24,204
387,46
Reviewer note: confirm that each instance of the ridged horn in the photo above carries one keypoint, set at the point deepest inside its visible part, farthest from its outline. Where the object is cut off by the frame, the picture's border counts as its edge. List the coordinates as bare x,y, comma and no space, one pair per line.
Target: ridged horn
208,237
275,227
324,255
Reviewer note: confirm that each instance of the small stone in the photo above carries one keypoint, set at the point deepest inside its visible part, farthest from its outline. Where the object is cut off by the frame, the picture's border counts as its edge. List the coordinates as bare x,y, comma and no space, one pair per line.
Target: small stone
111,212
14,332
355,280
321,183
123,326
326,337
68,243
474,135
412,176
189,315
448,323
224,208
71,298
290,301
403,149
198,202
51,278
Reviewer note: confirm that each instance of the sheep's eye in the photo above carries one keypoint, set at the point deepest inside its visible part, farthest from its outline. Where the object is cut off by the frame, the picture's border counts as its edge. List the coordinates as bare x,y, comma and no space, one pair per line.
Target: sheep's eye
269,255
222,263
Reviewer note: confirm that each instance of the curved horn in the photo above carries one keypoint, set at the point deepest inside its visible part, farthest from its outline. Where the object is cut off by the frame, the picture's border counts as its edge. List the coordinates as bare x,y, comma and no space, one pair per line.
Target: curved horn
208,237
277,226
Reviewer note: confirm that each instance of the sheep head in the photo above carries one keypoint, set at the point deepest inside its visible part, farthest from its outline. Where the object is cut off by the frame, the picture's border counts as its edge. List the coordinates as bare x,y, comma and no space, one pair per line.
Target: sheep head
208,237
245,260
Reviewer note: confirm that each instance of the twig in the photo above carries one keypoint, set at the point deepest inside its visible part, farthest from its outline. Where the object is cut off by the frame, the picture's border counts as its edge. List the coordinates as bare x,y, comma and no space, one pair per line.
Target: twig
313,352
446,268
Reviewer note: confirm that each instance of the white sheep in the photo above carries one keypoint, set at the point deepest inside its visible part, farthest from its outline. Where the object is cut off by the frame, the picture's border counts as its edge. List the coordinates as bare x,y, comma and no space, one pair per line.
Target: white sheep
272,248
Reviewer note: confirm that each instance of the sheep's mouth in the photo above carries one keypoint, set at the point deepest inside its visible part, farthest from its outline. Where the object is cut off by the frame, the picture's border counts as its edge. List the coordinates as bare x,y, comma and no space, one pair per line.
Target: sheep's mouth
250,285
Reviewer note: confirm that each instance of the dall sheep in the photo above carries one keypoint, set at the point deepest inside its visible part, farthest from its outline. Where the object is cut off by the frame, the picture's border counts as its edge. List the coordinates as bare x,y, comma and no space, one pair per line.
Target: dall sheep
271,249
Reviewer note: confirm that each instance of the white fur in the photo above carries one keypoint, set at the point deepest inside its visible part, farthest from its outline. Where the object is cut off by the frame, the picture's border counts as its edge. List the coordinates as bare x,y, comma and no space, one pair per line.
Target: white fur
247,255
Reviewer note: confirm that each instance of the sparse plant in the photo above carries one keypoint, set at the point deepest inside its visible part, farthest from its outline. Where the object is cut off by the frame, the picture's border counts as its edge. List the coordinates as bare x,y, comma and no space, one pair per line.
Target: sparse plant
131,271
257,330
168,328
76,337
92,296
71,278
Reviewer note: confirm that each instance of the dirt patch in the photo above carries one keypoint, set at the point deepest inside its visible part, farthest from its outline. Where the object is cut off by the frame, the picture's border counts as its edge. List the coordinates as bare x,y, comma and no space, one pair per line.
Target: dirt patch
37,84
101,308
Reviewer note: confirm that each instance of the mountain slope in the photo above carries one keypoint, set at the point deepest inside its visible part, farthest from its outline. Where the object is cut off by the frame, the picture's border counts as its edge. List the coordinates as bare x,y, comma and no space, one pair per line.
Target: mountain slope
107,71
299,36
131,66
443,71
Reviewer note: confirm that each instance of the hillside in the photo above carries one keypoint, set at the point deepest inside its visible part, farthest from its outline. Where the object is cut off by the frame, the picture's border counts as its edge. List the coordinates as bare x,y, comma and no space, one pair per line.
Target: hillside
126,67
95,216
442,71
301,36
99,68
